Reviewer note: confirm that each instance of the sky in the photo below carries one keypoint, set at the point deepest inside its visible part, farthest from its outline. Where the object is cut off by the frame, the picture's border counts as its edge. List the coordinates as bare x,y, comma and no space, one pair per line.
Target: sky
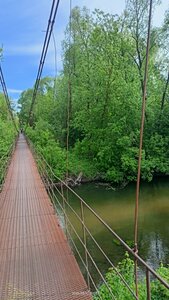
22,31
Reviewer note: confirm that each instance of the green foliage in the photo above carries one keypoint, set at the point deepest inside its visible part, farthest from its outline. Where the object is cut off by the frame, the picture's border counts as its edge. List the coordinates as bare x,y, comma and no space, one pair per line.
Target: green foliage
104,74
79,165
7,130
126,269
46,145
7,135
158,290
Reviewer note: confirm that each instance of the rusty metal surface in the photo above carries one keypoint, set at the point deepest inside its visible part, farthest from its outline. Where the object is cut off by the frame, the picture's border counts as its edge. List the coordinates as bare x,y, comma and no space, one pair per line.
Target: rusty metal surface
36,262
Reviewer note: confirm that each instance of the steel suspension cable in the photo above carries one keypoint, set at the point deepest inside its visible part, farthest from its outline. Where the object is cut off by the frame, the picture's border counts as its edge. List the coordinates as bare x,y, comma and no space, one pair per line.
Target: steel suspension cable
51,21
141,140
69,92
2,80
56,68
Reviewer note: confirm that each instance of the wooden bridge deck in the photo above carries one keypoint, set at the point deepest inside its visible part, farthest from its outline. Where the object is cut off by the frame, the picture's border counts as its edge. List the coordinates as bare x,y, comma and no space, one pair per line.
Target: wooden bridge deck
35,260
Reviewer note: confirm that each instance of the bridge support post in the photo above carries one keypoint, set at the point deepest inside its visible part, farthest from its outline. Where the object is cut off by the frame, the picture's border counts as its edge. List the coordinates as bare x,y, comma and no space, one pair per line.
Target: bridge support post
148,284
85,243
64,210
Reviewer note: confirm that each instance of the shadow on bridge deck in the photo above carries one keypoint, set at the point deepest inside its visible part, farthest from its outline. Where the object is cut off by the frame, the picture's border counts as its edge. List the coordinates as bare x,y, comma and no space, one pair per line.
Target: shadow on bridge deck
35,259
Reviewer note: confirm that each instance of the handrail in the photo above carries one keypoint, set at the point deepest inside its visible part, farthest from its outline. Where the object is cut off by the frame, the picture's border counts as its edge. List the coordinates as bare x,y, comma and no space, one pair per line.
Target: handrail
52,185
6,153
90,234
5,160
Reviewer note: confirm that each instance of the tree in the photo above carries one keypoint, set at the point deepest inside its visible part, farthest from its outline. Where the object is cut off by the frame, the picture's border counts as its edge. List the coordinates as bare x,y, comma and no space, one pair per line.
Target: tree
99,94
165,58
7,130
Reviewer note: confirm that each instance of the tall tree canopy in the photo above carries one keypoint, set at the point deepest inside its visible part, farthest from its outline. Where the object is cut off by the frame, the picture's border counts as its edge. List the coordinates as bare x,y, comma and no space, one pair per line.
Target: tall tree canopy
101,86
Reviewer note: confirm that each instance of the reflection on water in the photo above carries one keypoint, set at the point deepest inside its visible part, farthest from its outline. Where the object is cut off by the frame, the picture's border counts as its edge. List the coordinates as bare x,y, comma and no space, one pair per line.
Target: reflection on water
117,209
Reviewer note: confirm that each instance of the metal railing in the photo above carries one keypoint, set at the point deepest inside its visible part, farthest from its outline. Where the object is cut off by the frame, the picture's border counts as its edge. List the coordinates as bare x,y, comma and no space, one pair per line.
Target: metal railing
59,193
5,161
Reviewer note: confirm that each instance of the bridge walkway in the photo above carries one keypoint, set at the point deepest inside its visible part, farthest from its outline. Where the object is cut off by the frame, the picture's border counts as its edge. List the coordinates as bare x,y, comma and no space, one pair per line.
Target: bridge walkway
36,262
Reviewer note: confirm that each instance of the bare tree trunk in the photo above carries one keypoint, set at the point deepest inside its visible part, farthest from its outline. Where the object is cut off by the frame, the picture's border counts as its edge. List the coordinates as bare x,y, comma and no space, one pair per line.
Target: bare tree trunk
164,93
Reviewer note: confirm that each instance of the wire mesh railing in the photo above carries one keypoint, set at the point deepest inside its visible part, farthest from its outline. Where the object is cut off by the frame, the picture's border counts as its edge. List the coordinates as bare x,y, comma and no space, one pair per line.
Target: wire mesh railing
85,243
4,162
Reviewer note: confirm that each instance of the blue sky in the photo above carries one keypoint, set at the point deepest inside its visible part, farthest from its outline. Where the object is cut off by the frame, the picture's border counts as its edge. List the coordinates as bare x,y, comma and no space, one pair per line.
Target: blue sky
22,26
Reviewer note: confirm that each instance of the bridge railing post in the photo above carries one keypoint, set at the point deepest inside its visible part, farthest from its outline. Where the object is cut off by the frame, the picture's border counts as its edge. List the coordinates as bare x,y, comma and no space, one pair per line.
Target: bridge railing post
5,162
85,243
148,284
64,210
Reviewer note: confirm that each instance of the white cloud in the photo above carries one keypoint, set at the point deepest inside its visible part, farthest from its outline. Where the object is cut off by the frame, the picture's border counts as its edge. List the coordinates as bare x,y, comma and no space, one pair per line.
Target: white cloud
114,7
24,49
23,36
14,91
51,65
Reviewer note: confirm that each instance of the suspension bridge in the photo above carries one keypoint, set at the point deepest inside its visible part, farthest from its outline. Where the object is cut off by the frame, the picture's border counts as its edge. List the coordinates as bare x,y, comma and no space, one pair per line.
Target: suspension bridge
36,257
36,261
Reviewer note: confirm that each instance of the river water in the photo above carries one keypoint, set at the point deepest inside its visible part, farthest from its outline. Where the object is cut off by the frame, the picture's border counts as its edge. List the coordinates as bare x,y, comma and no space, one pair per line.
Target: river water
117,209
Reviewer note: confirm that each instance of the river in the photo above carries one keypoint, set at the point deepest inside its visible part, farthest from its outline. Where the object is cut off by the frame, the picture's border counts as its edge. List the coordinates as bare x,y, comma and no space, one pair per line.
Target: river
117,209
